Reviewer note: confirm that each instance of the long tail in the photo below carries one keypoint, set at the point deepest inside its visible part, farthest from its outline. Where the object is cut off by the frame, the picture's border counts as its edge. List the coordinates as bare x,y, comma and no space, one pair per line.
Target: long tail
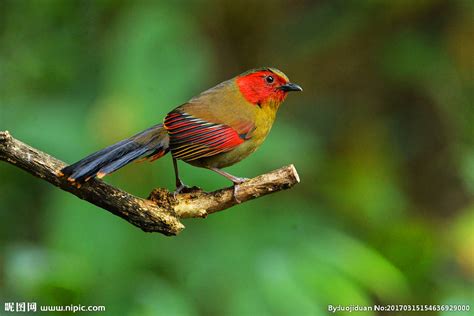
150,144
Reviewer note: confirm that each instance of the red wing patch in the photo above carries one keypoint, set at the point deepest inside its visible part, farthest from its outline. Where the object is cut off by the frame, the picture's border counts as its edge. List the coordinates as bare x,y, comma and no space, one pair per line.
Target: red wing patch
193,138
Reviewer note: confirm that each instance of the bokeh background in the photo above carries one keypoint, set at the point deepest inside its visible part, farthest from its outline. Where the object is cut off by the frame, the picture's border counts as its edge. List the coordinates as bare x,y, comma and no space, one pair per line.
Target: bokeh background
382,137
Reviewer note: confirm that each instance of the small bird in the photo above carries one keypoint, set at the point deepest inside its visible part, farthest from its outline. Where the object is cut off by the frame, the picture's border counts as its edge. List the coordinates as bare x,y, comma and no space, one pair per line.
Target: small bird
216,129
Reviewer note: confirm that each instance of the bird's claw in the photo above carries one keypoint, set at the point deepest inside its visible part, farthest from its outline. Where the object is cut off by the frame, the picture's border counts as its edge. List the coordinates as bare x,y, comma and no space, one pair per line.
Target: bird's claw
236,188
239,180
180,188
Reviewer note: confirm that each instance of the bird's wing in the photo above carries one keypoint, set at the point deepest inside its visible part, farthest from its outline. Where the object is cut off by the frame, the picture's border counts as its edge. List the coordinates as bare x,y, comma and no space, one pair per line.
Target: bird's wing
193,137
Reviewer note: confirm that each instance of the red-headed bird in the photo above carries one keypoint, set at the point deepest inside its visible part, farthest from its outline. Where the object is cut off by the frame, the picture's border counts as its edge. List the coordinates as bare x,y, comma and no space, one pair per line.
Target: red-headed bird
213,130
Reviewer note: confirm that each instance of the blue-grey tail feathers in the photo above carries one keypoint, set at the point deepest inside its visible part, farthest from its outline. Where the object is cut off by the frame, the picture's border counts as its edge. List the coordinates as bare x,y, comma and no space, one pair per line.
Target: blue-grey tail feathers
149,144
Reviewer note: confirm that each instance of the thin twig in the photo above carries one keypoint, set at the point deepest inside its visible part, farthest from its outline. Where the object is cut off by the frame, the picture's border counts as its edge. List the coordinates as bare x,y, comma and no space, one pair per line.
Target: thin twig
162,211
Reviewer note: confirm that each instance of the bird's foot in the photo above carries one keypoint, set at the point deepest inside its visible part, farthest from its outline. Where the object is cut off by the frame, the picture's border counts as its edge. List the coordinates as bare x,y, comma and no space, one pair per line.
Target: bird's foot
237,181
181,188
234,179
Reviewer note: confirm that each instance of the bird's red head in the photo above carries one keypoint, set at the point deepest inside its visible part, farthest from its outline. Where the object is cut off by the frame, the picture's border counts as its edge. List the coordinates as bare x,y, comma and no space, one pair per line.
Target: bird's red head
260,86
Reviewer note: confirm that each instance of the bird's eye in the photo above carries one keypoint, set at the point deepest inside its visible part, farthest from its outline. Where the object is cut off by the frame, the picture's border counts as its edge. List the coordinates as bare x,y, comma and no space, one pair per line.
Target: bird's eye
269,79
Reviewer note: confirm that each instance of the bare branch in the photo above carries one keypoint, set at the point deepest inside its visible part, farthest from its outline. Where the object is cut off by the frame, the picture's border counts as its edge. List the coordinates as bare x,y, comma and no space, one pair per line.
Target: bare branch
162,211
199,203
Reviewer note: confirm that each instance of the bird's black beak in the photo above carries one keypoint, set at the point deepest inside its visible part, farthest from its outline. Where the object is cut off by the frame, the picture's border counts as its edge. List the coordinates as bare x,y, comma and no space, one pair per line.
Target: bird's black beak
290,87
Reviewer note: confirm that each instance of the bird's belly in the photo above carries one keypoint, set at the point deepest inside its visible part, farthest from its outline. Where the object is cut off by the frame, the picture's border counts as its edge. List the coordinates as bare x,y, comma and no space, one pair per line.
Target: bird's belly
226,159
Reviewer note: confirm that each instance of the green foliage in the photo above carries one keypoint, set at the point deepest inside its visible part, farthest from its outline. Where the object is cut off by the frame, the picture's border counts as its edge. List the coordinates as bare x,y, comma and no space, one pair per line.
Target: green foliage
382,137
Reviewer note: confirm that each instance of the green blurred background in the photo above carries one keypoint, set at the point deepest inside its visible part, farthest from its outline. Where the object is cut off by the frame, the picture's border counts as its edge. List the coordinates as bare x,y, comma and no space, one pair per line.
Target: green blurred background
382,137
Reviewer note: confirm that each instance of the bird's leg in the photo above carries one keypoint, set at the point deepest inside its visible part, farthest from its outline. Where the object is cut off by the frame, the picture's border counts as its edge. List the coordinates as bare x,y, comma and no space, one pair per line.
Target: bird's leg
234,179
180,186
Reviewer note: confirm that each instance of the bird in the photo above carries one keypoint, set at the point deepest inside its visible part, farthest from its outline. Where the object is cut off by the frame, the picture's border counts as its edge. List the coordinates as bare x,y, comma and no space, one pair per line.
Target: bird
213,130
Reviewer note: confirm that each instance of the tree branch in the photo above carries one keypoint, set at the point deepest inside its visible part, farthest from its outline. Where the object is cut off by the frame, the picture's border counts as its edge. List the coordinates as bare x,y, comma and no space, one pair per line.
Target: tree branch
161,212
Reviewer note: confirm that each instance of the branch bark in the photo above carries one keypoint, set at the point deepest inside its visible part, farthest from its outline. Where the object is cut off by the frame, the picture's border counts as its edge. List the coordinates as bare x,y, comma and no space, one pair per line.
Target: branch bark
161,212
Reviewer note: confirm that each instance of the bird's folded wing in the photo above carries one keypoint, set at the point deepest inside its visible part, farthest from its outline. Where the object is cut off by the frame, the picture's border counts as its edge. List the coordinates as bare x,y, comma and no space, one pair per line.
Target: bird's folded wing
193,138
